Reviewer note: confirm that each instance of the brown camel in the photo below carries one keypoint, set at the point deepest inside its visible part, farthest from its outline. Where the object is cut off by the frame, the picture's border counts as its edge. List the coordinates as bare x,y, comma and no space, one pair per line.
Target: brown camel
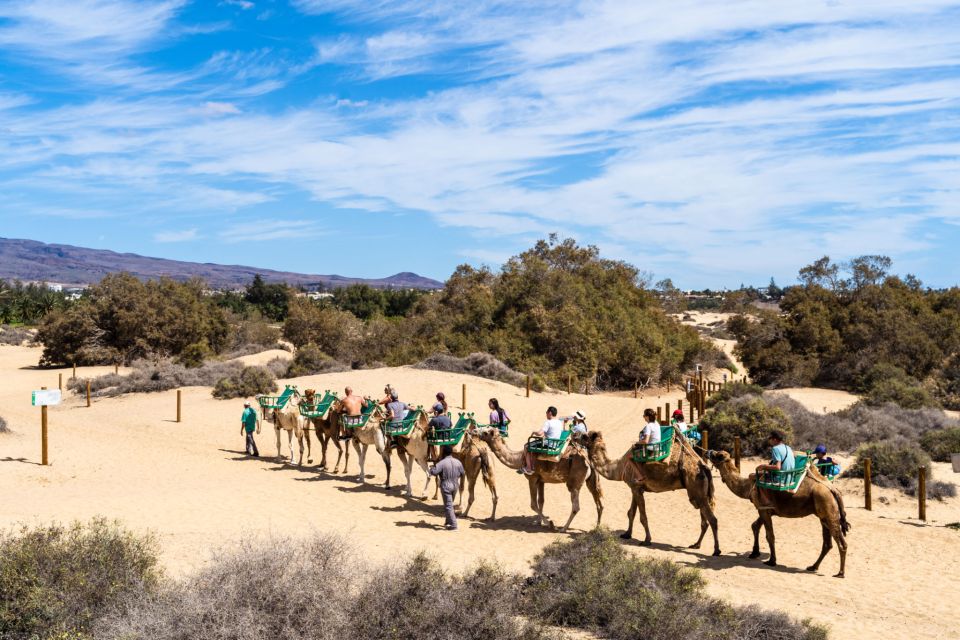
682,470
815,496
573,469
363,437
327,429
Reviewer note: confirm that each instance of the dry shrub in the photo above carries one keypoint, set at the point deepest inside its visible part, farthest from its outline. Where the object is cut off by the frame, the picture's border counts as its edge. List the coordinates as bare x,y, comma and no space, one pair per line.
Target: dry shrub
482,365
748,417
310,360
3,426
893,464
733,390
419,600
61,580
941,443
248,382
253,335
278,588
15,335
148,377
592,582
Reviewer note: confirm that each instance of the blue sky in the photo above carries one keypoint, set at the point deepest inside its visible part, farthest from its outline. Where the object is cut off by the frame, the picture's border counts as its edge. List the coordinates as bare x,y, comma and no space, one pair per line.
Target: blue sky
712,142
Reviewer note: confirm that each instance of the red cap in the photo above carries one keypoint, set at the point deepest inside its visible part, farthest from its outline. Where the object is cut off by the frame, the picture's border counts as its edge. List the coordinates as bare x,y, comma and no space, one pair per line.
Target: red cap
678,412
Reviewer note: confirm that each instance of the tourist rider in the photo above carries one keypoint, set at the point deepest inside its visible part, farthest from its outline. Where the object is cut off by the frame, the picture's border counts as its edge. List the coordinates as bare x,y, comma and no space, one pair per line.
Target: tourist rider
650,434
250,422
396,409
781,459
579,421
450,470
352,407
825,464
498,415
442,399
440,419
552,430
678,422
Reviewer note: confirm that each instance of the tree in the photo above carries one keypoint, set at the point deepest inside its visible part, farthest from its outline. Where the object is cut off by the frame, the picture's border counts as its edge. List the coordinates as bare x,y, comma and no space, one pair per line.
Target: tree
271,299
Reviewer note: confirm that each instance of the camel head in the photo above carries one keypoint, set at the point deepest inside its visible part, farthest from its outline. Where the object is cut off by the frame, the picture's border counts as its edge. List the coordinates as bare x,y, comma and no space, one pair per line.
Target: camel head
594,440
488,434
718,458
309,395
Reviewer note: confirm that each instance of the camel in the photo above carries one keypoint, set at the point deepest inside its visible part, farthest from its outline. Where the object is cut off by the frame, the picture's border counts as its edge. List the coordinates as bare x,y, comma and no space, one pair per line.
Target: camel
327,429
474,455
682,470
288,419
363,437
573,469
414,448
814,496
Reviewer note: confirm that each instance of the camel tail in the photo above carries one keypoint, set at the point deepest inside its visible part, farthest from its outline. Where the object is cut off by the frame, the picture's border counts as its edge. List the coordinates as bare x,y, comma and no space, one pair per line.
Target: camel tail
485,467
844,525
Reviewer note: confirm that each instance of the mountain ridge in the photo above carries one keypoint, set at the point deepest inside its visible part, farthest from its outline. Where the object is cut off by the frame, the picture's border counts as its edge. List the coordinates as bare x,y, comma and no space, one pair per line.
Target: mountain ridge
36,261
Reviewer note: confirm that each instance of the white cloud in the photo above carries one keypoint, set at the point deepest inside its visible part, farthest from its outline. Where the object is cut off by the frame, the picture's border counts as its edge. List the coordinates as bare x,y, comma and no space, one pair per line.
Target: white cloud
186,235
220,108
270,229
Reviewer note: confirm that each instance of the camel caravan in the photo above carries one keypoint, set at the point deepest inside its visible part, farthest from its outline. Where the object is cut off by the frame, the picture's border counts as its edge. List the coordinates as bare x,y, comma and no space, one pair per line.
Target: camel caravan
666,458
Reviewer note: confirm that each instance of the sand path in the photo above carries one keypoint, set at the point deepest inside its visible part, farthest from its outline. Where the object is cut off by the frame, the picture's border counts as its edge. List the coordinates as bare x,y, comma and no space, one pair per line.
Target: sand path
189,483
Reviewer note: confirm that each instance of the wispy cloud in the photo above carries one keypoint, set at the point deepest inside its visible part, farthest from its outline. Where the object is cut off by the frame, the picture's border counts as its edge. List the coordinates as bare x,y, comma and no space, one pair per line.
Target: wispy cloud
270,229
185,235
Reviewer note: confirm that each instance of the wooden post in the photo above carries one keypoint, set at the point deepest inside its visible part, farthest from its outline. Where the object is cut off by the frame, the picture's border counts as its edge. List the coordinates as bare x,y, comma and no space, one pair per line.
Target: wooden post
116,369
178,405
922,492
463,403
74,370
659,417
867,501
88,393
666,410
60,381
736,452
636,391
528,385
43,434
680,405
569,383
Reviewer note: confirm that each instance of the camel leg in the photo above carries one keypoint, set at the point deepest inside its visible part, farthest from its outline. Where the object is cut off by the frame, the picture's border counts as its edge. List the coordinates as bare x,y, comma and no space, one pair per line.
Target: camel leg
277,430
324,441
407,462
593,486
426,472
825,549
534,502
345,452
384,452
837,532
631,513
755,553
463,484
641,507
306,435
768,526
361,457
574,506
708,519
290,444
492,485
471,483
542,502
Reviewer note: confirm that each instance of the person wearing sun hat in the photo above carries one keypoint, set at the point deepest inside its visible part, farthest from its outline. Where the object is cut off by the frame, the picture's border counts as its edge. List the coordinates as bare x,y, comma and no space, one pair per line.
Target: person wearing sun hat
579,421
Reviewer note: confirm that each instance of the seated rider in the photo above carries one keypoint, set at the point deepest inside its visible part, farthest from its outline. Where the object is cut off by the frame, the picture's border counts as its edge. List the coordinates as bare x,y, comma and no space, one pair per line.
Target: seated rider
825,464
678,422
442,400
649,437
781,459
552,429
396,409
440,420
352,407
498,415
579,421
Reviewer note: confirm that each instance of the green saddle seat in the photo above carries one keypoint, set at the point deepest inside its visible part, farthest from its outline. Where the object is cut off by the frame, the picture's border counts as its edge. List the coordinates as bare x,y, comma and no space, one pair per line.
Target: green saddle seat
655,451
277,402
785,480
319,409
360,421
403,428
549,446
828,470
451,436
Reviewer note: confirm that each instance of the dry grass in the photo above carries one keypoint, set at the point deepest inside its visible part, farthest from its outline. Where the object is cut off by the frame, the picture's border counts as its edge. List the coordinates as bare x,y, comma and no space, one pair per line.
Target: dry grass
148,377
15,335
483,365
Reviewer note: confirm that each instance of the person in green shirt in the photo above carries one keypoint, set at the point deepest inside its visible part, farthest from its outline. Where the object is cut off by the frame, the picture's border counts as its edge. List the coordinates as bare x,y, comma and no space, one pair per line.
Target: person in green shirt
248,424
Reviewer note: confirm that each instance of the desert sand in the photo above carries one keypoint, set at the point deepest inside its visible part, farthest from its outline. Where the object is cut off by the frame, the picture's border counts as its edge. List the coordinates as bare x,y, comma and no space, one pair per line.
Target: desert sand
191,485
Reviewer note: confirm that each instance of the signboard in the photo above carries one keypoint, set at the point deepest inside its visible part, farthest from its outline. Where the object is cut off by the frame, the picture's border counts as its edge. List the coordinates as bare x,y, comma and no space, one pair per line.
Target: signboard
45,397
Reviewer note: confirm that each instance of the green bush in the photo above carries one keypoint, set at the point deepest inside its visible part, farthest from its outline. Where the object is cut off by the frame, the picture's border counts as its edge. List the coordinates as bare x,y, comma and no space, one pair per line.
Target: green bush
310,360
195,355
887,384
941,443
248,382
60,580
733,390
748,417
592,582
892,464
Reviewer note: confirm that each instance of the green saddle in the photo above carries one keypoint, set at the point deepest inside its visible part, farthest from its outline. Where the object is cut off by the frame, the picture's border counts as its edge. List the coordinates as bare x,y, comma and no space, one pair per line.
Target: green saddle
360,421
655,451
403,428
828,470
277,402
785,480
548,446
319,409
451,436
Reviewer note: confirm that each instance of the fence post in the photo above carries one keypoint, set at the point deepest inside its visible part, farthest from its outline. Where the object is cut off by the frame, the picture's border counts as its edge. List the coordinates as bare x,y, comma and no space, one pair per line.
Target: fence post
706,439
463,403
922,492
680,405
178,405
666,410
736,451
116,368
88,393
569,383
659,417
74,370
43,434
867,501
60,381
636,391
528,385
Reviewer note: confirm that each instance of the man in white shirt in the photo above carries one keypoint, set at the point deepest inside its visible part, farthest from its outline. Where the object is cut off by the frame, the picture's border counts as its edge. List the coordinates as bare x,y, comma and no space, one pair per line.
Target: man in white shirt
552,428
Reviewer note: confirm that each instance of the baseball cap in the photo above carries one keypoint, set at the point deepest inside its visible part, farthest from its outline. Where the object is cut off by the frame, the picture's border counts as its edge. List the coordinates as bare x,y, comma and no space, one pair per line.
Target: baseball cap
820,449
438,408
247,403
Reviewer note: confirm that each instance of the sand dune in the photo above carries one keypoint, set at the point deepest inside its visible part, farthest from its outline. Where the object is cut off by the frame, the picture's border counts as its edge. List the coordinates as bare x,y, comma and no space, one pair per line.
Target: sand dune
125,457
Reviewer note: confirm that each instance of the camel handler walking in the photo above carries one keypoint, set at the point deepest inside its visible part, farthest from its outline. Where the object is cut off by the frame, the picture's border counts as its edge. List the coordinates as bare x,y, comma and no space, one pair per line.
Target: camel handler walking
450,470
250,422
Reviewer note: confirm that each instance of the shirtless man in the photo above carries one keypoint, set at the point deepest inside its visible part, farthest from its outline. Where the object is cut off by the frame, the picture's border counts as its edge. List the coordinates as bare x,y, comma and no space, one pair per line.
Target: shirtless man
351,406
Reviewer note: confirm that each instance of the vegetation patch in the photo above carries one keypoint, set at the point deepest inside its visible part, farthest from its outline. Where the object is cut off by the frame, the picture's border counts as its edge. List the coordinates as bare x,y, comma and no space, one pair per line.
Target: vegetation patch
749,418
148,377
245,383
483,365
941,443
310,360
3,426
15,335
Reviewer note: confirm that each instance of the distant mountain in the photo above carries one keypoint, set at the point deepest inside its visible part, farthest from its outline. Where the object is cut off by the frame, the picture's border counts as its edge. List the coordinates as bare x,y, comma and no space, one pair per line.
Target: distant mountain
64,264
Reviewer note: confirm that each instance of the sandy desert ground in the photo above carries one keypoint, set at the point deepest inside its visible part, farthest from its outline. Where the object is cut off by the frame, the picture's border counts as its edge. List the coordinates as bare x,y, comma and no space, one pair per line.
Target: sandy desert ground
190,484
